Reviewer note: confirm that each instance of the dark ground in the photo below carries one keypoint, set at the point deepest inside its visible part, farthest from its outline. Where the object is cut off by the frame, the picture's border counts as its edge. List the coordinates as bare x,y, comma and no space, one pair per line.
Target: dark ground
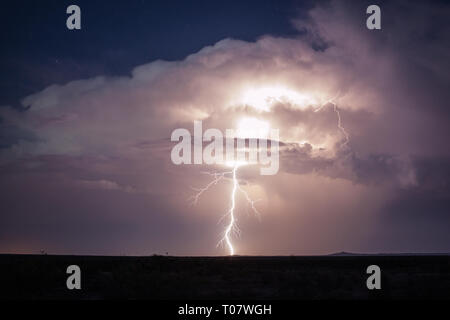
160,277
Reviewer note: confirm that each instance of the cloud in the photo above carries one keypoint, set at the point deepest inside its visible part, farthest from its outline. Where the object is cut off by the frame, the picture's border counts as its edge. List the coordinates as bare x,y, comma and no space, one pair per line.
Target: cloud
110,134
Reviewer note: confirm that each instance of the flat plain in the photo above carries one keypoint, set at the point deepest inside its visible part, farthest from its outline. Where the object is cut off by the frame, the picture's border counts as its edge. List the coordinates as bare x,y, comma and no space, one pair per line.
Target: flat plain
238,277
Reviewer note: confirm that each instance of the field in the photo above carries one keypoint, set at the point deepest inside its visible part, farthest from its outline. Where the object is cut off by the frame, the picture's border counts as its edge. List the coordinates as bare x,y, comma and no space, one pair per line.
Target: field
245,277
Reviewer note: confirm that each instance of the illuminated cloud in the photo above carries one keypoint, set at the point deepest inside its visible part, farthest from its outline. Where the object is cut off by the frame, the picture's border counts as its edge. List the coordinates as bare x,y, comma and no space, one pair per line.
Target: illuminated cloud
108,138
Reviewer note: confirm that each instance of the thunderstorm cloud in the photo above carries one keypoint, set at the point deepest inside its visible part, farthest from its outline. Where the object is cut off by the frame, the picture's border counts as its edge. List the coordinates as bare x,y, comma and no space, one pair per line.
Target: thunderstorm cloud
85,166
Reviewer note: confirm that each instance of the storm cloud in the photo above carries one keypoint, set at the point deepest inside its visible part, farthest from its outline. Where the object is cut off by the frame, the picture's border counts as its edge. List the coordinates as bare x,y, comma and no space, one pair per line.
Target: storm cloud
86,165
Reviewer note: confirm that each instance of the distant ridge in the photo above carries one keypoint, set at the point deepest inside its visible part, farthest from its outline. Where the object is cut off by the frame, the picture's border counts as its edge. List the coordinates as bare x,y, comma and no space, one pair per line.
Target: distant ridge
343,253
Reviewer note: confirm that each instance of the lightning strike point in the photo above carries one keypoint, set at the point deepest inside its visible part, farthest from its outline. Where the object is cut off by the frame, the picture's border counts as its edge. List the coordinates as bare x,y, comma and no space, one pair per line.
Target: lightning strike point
230,214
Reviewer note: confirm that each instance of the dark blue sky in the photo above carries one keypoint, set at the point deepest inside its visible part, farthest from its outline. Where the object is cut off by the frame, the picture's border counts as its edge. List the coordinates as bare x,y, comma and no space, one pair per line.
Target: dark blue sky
86,169
38,49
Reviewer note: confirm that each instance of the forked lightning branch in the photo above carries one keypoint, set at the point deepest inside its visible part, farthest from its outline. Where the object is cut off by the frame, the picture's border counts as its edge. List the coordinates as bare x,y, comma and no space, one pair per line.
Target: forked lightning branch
240,150
252,144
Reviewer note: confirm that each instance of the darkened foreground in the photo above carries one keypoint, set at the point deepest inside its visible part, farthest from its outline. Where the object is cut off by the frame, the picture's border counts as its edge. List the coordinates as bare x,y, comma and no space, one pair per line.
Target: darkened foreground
158,277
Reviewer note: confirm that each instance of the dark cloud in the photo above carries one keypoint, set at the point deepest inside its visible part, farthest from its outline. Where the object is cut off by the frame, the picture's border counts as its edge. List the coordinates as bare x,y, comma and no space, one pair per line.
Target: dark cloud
86,167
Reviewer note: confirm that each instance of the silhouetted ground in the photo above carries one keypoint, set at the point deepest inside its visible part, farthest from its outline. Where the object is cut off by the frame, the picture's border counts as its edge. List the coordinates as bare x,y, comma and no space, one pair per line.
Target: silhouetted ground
160,277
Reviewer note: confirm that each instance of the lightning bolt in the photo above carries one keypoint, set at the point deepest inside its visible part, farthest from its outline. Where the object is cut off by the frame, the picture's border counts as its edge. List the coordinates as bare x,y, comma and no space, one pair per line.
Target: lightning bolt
339,119
230,214
232,225
219,176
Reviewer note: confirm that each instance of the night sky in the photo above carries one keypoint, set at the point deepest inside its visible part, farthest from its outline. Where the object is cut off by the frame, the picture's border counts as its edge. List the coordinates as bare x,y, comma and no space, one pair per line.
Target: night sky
115,38
86,118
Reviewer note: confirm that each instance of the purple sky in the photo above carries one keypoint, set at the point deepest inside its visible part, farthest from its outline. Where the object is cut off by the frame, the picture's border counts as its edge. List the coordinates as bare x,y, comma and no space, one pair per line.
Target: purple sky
89,171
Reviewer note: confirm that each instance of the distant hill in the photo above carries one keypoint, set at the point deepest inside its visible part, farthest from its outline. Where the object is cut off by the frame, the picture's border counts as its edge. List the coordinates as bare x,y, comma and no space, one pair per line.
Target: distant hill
343,253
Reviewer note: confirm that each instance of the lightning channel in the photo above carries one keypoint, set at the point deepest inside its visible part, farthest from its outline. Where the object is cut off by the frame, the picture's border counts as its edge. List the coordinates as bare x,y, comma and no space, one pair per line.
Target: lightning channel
339,119
231,226
218,176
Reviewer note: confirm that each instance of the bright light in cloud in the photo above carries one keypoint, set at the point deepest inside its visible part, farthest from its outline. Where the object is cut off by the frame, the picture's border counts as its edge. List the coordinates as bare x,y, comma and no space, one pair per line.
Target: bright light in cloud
236,164
252,128
263,99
